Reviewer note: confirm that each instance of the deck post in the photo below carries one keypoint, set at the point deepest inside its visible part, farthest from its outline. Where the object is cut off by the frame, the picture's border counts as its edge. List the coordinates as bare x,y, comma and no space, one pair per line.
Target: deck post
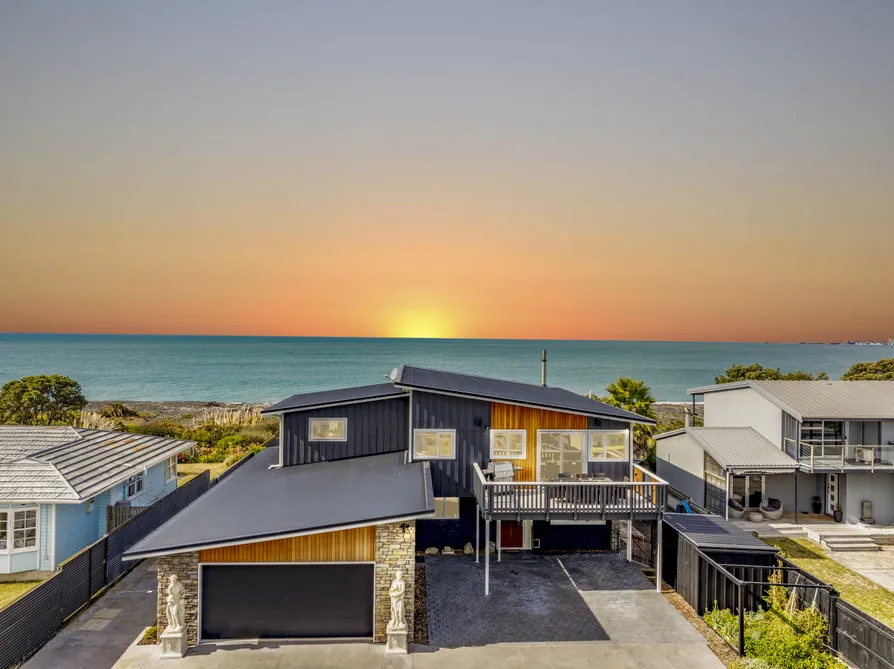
796,497
630,538
499,547
477,530
487,556
658,554
726,501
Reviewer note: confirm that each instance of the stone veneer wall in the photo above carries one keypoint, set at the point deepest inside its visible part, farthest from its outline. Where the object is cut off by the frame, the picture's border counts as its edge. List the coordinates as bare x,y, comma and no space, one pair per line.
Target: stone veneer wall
395,549
186,566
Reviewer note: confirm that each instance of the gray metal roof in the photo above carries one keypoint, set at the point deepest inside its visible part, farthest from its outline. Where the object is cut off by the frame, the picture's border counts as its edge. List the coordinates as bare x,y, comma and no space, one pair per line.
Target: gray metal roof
256,503
337,396
69,464
805,400
738,448
715,532
482,387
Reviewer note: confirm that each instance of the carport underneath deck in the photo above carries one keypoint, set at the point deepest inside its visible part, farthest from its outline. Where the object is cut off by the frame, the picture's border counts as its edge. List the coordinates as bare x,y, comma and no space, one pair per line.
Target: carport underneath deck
554,598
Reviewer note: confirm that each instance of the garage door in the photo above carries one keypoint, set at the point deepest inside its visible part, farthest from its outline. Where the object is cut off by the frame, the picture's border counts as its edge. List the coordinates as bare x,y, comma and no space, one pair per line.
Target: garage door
280,601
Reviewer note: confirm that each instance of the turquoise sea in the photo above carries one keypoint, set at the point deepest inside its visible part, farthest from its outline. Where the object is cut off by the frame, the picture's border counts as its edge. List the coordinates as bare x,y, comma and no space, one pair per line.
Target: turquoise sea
266,369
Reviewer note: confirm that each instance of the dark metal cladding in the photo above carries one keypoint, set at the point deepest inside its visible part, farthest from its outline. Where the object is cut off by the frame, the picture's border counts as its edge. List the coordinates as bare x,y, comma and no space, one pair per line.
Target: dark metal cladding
373,427
453,478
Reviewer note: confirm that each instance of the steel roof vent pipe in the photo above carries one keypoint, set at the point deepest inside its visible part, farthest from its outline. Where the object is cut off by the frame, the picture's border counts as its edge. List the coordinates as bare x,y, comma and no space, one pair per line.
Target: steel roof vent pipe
543,369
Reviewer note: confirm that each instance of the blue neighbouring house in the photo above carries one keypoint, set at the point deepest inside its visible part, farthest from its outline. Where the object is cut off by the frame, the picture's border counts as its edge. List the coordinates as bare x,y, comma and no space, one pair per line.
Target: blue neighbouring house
57,482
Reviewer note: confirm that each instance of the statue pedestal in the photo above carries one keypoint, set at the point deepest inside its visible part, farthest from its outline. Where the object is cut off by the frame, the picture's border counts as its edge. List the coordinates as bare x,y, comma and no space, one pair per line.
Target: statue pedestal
173,644
397,642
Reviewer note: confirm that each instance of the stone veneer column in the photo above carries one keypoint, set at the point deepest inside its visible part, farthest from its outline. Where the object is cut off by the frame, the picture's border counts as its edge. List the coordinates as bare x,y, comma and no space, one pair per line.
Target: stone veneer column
395,549
186,567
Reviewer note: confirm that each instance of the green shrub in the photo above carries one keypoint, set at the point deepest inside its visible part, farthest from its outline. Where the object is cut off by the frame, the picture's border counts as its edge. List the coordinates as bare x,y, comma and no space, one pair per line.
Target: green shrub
258,434
162,428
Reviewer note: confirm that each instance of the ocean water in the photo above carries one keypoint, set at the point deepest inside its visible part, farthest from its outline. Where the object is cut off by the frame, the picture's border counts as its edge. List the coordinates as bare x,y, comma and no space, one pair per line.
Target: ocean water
267,369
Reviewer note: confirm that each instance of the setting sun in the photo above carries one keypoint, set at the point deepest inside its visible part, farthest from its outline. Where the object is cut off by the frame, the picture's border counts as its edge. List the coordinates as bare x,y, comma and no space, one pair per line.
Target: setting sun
422,324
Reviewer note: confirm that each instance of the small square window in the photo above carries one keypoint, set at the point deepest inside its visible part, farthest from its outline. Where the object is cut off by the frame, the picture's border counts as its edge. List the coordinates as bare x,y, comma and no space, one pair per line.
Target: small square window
328,429
434,444
507,444
446,508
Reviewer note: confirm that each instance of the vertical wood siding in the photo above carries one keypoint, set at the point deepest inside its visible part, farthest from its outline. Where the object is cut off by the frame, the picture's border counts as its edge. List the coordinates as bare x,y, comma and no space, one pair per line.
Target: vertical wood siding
374,427
510,417
354,545
453,478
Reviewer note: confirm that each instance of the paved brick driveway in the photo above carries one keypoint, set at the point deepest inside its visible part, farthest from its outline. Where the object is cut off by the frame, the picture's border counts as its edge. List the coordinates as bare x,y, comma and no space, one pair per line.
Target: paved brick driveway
585,597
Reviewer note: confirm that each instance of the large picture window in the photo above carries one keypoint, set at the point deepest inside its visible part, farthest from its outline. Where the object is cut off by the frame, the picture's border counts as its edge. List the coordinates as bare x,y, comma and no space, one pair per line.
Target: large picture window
434,444
608,445
826,437
328,429
18,530
508,444
561,453
446,508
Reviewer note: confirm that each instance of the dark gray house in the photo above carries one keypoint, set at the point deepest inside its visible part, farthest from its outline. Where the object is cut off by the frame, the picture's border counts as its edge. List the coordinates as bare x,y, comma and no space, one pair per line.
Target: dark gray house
364,477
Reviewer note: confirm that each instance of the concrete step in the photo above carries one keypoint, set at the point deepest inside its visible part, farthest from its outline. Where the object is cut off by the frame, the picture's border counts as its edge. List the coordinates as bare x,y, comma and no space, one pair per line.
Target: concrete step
849,543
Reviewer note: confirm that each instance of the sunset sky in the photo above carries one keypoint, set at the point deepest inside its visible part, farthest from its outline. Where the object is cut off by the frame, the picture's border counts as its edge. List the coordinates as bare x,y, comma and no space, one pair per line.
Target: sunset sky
571,170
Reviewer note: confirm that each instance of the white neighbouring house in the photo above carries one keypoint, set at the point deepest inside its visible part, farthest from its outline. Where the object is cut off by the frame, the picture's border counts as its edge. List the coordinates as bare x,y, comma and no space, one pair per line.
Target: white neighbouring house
792,441
57,482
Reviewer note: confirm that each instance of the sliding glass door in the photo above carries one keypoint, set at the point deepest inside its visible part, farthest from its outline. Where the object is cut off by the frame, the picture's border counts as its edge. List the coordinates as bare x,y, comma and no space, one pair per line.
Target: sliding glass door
748,490
561,453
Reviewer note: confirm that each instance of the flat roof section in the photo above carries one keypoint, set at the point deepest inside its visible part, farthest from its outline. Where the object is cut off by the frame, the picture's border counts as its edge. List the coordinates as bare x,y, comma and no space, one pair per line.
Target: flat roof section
713,532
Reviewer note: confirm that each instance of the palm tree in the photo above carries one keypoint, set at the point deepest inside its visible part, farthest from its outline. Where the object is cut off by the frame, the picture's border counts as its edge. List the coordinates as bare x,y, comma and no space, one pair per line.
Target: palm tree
633,395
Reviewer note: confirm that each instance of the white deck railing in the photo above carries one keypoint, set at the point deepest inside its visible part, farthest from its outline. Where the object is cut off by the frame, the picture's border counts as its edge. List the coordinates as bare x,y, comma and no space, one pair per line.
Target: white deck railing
646,494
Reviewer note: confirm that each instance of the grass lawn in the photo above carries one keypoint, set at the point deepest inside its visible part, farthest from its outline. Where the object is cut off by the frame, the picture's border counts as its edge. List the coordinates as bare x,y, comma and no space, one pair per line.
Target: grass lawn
188,471
866,595
9,592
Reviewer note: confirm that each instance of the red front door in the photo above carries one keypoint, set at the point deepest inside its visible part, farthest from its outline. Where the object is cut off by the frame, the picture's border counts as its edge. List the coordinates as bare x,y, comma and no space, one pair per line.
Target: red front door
512,534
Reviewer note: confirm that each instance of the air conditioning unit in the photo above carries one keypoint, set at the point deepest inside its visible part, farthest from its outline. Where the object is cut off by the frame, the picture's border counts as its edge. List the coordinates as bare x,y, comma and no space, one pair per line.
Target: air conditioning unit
864,455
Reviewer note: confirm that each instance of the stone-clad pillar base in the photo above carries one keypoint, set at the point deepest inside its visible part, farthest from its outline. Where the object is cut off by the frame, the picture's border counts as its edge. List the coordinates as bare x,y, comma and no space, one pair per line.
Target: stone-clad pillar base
395,549
186,567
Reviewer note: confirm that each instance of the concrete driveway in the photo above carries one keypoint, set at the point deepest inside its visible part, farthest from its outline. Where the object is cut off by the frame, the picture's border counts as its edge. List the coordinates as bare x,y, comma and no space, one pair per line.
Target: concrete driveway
583,597
544,613
101,633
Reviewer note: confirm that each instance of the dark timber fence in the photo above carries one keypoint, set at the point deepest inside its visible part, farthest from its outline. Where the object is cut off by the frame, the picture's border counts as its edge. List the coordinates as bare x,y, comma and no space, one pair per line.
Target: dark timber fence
29,622
118,515
738,580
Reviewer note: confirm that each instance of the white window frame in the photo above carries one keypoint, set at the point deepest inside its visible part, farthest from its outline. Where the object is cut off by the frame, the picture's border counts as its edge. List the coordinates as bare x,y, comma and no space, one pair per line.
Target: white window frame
89,505
138,481
10,530
590,457
171,469
418,431
310,427
524,452
585,455
442,514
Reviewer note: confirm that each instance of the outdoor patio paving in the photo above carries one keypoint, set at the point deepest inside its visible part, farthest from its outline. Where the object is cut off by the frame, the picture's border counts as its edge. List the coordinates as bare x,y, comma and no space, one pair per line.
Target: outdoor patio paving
563,598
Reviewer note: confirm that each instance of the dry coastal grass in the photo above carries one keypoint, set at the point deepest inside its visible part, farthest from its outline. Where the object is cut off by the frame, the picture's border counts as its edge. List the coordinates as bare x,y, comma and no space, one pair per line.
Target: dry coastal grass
9,592
863,593
187,471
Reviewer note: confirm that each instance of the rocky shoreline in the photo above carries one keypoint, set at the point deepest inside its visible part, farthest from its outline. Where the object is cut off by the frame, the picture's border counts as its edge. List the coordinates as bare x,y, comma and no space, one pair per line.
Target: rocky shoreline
667,412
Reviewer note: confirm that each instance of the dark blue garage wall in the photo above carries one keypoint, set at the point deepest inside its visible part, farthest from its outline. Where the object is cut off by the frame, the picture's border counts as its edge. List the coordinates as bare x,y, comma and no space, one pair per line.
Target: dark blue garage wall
571,537
453,533
453,478
379,426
